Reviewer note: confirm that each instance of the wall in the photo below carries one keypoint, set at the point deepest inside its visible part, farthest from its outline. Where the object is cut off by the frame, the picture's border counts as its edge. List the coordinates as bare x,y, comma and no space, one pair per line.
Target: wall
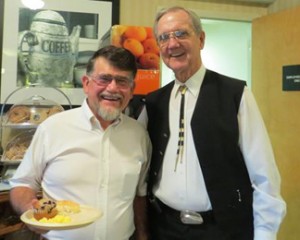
219,54
275,43
142,12
279,5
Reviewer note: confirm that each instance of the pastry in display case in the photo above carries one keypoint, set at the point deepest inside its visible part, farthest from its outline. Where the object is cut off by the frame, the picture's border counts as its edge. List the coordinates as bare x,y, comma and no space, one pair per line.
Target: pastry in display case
20,122
17,146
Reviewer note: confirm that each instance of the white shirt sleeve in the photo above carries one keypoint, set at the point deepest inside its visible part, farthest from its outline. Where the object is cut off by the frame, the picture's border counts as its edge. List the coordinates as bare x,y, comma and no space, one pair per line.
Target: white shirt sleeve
268,207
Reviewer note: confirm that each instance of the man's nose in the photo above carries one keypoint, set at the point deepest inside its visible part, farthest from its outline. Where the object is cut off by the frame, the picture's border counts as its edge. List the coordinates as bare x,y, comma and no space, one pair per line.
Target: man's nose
113,84
173,41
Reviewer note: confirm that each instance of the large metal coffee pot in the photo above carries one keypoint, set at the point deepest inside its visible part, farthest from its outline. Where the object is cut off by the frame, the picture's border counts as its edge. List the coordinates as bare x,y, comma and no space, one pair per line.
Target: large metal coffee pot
47,54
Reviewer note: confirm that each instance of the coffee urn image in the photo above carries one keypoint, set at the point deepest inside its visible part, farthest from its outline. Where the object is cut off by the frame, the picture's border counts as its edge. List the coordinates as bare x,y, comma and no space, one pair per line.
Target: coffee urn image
47,53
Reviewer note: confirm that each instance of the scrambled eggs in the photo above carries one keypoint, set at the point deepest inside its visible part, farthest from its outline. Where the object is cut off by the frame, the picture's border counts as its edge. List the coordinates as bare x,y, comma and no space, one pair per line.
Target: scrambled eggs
57,219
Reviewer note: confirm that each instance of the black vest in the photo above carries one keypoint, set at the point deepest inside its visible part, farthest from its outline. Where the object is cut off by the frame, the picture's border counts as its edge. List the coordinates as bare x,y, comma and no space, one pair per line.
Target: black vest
215,131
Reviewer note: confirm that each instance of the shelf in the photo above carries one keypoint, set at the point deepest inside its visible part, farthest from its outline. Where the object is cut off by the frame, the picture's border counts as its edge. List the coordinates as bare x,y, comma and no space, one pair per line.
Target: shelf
6,229
9,221
10,162
4,196
20,126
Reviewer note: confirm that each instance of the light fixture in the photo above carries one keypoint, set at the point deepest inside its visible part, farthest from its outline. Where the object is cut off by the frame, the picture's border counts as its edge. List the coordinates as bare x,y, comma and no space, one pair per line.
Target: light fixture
33,4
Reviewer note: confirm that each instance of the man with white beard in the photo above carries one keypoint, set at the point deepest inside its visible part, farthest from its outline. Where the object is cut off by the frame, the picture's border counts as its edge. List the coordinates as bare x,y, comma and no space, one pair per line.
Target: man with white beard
93,155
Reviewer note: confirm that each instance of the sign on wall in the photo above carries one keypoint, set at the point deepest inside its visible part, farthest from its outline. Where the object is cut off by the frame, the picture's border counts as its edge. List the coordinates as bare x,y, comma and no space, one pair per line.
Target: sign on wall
291,78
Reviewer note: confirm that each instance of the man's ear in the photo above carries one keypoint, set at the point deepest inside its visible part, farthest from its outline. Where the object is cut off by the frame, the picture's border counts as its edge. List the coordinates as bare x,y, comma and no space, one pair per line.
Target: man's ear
85,82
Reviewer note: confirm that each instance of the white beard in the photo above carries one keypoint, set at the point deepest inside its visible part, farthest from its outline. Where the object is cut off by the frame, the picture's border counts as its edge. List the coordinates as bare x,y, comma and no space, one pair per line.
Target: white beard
109,114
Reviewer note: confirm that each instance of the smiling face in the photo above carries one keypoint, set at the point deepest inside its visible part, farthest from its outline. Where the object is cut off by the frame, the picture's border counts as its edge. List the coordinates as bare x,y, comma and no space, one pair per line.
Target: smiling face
107,100
182,55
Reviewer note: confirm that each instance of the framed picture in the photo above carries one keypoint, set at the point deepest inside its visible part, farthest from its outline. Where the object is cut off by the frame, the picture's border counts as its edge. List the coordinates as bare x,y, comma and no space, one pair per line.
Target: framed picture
48,48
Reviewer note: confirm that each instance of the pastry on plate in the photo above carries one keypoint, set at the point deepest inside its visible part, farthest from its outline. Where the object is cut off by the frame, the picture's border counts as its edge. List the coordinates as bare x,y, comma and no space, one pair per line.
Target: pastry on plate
44,208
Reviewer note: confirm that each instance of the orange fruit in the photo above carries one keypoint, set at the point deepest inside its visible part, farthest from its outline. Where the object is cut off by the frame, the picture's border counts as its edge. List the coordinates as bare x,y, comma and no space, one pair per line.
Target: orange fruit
134,46
136,32
150,33
150,45
149,61
116,35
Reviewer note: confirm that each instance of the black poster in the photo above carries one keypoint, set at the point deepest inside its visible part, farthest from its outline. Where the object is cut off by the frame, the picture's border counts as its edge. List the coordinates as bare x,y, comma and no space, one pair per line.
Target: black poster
291,78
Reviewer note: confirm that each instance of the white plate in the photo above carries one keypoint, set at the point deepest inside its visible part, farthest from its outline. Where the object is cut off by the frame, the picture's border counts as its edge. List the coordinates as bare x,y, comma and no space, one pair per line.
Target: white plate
86,216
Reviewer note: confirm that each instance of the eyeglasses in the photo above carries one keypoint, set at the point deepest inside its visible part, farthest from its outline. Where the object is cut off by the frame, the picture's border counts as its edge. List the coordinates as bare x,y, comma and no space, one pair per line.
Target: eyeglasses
106,79
178,35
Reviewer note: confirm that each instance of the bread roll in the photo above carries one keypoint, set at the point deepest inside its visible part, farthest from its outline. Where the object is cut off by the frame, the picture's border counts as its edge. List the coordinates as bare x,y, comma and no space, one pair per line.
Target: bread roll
19,114
67,207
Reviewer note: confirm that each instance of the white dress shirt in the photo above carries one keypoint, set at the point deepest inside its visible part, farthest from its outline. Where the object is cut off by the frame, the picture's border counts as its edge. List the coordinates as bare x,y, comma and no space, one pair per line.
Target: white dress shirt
184,189
73,158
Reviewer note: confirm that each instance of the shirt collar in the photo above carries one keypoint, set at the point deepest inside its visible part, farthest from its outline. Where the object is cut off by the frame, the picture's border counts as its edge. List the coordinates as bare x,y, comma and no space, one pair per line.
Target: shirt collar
94,123
193,83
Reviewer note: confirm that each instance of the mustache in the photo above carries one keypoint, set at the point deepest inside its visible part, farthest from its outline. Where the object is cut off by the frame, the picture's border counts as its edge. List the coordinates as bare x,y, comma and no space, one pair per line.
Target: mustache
112,96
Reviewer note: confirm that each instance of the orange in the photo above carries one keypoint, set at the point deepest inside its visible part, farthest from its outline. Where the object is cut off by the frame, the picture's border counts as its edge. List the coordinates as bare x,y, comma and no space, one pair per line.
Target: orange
134,46
150,33
149,61
138,33
116,35
150,45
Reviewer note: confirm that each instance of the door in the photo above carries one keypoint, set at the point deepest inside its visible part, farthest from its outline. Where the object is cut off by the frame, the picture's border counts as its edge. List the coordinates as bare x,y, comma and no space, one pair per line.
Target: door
276,43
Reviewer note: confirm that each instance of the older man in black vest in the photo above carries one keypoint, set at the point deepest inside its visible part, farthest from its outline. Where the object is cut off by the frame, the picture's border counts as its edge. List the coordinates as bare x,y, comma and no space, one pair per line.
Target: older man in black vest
213,175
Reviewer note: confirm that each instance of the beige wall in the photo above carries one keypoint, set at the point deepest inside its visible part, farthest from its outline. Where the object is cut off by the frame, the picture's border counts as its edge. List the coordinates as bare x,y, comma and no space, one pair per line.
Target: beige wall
142,12
279,5
280,108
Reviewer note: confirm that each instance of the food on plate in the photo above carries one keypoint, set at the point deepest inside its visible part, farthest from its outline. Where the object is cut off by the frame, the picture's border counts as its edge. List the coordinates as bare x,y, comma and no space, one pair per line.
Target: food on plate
67,207
57,219
19,114
51,211
44,208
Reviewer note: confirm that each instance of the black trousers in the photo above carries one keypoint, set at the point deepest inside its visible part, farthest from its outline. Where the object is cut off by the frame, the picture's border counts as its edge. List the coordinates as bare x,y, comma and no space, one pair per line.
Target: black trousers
164,226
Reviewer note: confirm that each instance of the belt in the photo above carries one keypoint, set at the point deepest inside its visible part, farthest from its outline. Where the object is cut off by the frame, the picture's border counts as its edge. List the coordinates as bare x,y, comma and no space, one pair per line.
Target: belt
187,216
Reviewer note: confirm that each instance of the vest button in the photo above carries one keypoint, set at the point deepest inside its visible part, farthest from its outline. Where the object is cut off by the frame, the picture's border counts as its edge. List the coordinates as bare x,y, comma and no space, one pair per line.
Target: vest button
161,153
165,135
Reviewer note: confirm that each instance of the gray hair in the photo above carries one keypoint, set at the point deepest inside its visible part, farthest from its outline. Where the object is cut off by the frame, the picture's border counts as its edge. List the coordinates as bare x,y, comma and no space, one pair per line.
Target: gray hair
195,19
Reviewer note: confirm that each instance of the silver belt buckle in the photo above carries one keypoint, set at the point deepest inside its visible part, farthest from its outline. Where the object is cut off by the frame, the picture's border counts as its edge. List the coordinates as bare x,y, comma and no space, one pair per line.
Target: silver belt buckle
190,217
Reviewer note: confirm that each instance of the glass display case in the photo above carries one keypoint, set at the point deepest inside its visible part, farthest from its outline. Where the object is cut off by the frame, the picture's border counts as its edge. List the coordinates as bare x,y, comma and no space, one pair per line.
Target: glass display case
18,125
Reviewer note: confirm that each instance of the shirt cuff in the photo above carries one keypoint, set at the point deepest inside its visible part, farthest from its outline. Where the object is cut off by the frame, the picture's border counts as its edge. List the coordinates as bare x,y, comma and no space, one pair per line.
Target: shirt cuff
260,234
